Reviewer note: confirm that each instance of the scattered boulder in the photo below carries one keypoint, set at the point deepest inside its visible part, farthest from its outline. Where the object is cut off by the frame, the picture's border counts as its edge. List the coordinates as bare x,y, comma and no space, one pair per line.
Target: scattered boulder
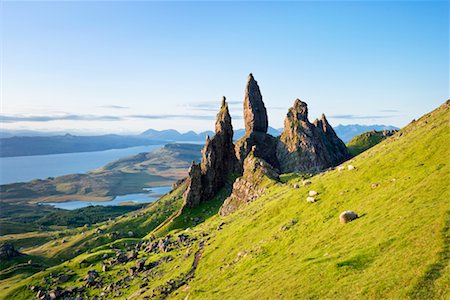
347,216
306,182
340,168
350,167
296,186
130,233
375,185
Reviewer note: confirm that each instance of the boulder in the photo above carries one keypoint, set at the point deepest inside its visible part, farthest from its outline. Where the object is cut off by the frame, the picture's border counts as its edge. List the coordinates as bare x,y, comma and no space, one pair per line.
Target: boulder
8,252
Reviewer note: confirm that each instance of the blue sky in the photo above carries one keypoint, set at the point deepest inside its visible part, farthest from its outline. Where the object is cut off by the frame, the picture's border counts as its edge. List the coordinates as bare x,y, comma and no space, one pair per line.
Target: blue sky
129,66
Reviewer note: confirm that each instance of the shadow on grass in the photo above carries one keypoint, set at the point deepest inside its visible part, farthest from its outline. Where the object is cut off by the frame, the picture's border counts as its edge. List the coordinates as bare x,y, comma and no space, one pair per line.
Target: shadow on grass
190,217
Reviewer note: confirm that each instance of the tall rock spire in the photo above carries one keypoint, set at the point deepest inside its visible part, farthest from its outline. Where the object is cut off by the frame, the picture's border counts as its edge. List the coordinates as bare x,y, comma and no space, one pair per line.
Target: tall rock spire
255,113
218,161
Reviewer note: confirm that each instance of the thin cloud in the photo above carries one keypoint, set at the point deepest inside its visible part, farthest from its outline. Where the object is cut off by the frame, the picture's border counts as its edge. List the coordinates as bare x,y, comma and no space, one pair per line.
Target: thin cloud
48,118
389,110
190,117
355,117
115,106
74,117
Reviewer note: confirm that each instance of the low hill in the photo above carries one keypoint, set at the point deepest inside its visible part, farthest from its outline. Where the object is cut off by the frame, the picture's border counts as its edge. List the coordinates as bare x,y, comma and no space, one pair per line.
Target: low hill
364,141
279,246
41,145
347,132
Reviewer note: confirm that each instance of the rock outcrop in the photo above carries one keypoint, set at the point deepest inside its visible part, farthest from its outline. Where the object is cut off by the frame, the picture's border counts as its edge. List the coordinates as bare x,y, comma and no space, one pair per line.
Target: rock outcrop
218,162
256,125
8,252
193,194
302,147
250,186
308,147
218,158
255,113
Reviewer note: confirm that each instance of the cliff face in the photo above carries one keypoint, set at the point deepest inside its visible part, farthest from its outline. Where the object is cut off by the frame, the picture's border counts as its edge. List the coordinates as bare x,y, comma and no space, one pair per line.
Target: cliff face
250,185
308,147
218,161
218,158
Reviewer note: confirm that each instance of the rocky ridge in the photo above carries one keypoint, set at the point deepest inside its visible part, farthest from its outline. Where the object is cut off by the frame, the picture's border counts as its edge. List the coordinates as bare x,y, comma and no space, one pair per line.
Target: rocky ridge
302,147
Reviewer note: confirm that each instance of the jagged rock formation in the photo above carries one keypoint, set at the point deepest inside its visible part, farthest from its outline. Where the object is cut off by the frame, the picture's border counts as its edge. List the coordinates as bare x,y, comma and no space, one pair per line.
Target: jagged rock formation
249,187
256,124
8,252
218,162
218,158
307,147
255,113
303,146
193,194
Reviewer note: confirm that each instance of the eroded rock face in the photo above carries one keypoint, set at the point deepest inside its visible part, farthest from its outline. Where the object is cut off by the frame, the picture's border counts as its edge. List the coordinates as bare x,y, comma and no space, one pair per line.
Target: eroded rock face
264,146
218,158
308,147
218,162
193,194
255,113
256,124
249,187
7,252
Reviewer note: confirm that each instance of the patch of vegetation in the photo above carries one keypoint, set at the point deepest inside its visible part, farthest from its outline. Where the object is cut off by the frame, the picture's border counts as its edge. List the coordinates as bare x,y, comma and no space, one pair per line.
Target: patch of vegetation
367,140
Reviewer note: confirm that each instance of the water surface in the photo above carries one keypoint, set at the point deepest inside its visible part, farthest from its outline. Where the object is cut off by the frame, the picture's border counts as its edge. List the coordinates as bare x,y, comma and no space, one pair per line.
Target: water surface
26,168
152,195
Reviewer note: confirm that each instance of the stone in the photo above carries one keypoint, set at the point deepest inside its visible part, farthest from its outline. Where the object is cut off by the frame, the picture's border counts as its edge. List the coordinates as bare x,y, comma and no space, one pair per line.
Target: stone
218,157
193,194
255,113
306,182
218,162
308,147
347,216
247,188
130,233
8,252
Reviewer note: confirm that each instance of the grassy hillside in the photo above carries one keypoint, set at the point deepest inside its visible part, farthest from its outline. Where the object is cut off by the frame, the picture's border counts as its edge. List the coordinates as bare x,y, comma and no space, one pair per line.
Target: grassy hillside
364,141
282,247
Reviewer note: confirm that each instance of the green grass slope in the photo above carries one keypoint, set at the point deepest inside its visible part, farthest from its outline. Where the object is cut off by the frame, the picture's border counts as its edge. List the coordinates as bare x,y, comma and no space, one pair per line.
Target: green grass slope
282,247
367,140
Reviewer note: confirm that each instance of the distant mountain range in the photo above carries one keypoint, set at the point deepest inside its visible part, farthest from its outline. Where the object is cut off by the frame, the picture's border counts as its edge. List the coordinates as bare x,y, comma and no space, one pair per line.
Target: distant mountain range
25,143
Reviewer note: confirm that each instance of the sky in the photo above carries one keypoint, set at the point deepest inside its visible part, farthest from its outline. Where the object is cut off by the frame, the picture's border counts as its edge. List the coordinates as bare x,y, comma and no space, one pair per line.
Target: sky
124,67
